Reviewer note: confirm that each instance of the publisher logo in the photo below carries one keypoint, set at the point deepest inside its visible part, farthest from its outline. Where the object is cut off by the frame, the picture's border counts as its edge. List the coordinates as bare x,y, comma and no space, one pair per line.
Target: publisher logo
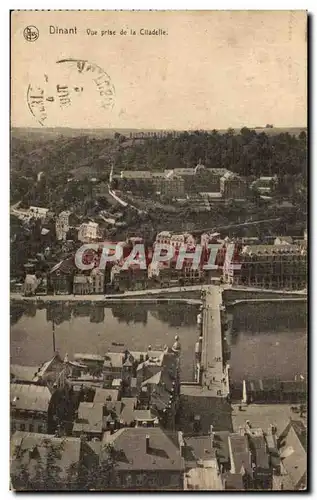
31,33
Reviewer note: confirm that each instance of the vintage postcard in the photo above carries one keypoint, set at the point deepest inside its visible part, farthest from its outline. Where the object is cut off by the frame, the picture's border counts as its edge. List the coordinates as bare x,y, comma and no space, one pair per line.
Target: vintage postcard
158,278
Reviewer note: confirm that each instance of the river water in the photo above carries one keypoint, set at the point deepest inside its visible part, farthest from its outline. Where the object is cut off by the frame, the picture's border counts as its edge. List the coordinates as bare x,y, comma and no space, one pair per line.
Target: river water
263,350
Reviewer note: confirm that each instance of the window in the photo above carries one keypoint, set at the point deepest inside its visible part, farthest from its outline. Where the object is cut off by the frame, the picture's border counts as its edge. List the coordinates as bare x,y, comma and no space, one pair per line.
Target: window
40,428
31,427
22,427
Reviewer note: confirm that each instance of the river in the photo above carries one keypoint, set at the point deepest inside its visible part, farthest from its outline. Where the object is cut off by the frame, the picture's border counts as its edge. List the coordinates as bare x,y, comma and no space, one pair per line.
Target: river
268,350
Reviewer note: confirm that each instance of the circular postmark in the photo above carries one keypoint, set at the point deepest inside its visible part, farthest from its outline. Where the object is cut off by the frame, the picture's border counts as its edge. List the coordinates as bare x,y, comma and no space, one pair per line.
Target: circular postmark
31,33
73,89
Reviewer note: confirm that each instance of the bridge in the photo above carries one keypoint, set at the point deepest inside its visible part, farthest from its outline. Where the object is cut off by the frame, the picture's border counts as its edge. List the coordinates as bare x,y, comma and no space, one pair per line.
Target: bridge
214,371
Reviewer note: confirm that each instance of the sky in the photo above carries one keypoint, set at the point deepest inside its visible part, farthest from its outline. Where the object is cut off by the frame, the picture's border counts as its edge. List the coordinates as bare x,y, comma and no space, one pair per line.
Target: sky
212,69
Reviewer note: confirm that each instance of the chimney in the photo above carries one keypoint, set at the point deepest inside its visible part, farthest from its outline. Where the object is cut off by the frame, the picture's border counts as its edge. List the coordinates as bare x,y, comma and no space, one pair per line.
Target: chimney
212,434
147,443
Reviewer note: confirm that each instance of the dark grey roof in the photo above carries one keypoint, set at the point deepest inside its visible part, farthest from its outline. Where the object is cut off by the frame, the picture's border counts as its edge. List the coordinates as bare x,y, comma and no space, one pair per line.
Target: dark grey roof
200,447
129,447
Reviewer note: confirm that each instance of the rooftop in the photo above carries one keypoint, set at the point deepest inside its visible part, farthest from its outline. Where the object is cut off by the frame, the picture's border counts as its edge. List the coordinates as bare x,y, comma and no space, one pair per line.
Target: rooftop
65,266
205,477
90,418
240,453
199,448
23,373
47,366
131,453
104,395
293,456
127,411
30,397
269,249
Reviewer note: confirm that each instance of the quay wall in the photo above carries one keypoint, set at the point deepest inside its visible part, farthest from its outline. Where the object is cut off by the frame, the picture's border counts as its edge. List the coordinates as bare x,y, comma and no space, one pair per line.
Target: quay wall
269,316
43,301
232,294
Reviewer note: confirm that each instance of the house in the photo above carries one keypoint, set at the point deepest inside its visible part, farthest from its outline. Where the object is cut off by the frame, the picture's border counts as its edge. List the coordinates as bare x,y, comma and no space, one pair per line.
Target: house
60,278
204,476
241,460
275,391
118,366
271,266
112,415
240,457
49,371
159,382
262,469
45,374
82,285
88,231
30,285
30,408
44,462
64,221
232,186
292,444
89,421
129,279
144,459
97,281
202,469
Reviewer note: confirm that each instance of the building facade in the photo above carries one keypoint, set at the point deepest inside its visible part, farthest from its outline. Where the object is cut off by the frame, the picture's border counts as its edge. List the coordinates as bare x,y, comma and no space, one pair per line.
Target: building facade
30,408
88,231
270,266
232,186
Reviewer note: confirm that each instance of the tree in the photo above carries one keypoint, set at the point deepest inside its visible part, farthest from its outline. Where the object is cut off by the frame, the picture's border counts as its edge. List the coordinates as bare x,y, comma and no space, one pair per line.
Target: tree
101,476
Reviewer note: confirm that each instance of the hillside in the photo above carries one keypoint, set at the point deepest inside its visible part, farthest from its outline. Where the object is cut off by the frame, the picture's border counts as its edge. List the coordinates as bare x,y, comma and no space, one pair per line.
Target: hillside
47,133
68,163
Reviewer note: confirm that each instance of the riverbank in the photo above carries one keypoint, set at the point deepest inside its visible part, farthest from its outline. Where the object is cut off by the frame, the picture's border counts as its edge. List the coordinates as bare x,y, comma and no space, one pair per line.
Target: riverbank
100,300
